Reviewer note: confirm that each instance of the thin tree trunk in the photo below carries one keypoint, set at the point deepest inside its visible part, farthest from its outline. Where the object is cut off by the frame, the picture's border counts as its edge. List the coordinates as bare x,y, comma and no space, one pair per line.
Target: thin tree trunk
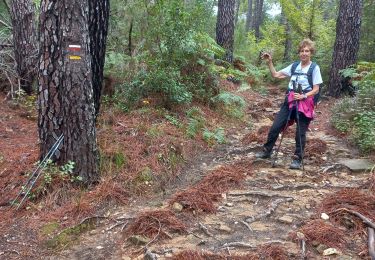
25,45
130,38
288,38
346,46
312,19
237,10
66,103
249,15
258,17
98,28
225,27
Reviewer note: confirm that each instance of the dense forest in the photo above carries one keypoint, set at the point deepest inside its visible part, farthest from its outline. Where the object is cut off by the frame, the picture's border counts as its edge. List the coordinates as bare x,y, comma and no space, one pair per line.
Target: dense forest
121,97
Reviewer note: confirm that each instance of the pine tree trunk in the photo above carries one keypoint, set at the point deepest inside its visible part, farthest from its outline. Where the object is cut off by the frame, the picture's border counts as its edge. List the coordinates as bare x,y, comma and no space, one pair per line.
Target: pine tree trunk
225,27
25,45
346,46
66,103
98,28
249,15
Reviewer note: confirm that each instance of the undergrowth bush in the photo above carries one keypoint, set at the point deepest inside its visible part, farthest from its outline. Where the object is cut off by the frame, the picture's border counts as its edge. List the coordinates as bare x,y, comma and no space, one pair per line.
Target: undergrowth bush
230,104
356,115
196,121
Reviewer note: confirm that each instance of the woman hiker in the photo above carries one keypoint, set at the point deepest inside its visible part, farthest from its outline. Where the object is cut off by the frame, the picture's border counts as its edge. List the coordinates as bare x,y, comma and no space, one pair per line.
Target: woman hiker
305,76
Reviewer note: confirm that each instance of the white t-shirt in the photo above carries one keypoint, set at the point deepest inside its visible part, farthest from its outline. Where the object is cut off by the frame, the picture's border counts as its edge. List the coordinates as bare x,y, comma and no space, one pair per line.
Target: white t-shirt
303,79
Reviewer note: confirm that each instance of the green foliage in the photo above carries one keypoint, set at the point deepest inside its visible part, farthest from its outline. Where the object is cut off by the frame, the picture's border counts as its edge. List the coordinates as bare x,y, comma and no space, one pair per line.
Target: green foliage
230,104
364,131
173,120
172,54
367,41
111,163
154,131
216,137
356,116
196,121
145,175
54,174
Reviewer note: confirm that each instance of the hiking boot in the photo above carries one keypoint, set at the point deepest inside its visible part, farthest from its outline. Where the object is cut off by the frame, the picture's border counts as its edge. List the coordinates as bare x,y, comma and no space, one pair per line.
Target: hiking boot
263,154
296,164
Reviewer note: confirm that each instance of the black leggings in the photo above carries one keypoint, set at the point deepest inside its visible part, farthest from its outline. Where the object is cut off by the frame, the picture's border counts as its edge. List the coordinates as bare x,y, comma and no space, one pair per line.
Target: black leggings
279,124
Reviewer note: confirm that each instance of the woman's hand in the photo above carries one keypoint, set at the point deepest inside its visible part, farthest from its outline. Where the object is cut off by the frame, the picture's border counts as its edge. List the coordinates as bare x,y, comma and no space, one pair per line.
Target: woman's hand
299,96
267,57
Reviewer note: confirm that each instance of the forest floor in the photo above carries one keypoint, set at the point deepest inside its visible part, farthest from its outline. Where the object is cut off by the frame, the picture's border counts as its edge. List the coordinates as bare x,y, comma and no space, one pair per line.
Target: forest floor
224,204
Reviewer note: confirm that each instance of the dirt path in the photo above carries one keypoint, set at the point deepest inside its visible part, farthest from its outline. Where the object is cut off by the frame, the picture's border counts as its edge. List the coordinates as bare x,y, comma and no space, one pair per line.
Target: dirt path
263,210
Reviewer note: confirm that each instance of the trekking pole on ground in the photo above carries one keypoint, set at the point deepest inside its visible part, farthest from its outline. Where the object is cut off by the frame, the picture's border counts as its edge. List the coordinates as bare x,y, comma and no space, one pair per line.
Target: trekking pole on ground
281,139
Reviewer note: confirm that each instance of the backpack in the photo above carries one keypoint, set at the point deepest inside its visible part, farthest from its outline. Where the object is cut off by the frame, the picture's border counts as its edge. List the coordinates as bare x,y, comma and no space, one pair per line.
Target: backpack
309,77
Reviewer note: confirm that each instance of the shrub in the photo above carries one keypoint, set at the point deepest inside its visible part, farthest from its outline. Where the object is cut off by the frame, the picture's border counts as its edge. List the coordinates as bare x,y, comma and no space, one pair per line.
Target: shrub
356,115
231,105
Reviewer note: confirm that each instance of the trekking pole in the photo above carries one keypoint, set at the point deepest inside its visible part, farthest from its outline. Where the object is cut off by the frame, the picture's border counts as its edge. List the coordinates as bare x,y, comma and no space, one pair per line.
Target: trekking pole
298,128
37,168
29,185
281,139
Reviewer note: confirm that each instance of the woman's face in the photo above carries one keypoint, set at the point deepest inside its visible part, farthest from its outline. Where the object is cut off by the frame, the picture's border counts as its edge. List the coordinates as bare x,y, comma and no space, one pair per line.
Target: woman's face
305,54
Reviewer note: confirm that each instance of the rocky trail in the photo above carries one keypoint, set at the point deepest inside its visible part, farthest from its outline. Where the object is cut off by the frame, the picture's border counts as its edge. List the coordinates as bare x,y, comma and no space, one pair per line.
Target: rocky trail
262,210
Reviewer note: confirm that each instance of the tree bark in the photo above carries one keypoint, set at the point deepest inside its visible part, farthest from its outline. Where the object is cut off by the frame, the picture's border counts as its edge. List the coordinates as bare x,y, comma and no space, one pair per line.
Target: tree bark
66,103
25,45
225,27
258,17
346,46
98,28
249,15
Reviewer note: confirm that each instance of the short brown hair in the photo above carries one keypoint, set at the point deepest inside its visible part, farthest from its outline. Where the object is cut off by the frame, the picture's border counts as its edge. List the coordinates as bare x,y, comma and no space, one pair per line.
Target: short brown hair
307,43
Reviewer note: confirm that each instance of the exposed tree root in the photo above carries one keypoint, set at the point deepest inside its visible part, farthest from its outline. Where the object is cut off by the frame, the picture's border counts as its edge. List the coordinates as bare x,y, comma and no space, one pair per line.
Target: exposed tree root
205,230
239,244
365,220
269,210
264,193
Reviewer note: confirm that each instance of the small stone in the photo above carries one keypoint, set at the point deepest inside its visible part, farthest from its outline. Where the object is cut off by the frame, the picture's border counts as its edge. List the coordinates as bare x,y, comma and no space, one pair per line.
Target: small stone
177,207
229,204
286,219
331,251
99,247
324,216
321,248
308,206
324,158
224,196
357,164
300,235
225,228
138,240
221,209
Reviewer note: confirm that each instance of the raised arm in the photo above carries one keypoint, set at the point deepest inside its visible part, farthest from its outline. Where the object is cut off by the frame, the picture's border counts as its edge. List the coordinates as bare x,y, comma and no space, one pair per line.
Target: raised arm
276,74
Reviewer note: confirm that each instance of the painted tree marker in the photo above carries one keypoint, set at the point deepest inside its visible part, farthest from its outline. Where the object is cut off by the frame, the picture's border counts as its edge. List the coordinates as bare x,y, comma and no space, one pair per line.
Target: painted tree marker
74,48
